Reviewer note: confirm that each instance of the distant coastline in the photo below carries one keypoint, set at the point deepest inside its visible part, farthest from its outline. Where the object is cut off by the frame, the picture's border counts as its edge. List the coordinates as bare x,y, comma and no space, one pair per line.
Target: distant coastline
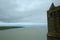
9,27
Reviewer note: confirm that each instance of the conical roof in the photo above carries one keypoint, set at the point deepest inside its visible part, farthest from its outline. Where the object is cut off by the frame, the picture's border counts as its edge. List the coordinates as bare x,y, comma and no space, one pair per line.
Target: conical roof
52,6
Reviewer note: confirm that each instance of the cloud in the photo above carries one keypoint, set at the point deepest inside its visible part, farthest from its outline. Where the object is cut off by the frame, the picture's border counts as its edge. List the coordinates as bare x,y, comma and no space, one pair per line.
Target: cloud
57,2
16,11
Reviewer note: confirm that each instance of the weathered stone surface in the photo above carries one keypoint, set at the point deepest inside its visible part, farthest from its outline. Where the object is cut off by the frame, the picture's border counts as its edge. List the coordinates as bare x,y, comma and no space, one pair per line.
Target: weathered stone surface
53,17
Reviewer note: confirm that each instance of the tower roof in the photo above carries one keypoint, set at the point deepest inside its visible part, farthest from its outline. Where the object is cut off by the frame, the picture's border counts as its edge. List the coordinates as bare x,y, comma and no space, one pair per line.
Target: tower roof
52,6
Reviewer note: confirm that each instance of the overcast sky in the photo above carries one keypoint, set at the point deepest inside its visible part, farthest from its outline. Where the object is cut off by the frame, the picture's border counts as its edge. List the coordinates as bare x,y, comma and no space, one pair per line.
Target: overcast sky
25,11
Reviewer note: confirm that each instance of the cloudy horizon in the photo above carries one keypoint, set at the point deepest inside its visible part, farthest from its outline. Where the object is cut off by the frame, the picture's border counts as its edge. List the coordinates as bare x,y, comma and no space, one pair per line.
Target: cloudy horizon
25,11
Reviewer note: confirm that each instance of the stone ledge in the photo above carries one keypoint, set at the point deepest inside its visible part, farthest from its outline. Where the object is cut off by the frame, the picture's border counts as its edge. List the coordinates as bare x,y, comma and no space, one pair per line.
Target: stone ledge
54,34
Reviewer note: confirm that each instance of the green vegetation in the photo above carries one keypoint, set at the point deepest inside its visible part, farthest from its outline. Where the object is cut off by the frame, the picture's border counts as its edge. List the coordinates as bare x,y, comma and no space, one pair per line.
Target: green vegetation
9,27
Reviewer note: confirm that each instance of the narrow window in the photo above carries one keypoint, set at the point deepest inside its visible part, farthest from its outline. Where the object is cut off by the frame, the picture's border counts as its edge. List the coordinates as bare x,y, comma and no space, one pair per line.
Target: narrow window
51,15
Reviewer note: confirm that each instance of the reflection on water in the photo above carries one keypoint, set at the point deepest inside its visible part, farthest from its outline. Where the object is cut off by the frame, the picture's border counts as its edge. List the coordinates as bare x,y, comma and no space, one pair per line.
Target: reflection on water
27,33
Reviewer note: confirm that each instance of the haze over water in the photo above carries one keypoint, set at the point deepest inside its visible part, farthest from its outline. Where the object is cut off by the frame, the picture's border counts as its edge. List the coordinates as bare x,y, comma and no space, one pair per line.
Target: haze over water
27,33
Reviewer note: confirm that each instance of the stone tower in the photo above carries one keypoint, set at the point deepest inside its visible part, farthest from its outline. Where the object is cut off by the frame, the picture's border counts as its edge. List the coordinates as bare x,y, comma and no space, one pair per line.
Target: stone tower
53,17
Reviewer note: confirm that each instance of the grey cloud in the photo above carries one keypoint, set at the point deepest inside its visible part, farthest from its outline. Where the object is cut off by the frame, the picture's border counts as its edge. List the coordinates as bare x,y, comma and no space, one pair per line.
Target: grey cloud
24,10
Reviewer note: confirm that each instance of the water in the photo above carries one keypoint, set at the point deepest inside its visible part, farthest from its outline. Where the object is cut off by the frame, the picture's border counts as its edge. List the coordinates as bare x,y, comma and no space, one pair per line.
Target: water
27,33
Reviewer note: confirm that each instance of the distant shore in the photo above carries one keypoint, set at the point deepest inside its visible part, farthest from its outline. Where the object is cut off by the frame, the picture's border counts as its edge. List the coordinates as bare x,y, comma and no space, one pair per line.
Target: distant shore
9,27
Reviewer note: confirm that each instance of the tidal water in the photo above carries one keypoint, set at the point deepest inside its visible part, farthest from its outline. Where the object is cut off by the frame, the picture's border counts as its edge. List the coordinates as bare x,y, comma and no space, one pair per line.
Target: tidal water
27,33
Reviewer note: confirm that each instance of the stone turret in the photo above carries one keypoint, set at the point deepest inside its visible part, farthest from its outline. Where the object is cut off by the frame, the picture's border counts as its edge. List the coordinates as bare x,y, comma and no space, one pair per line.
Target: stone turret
53,17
